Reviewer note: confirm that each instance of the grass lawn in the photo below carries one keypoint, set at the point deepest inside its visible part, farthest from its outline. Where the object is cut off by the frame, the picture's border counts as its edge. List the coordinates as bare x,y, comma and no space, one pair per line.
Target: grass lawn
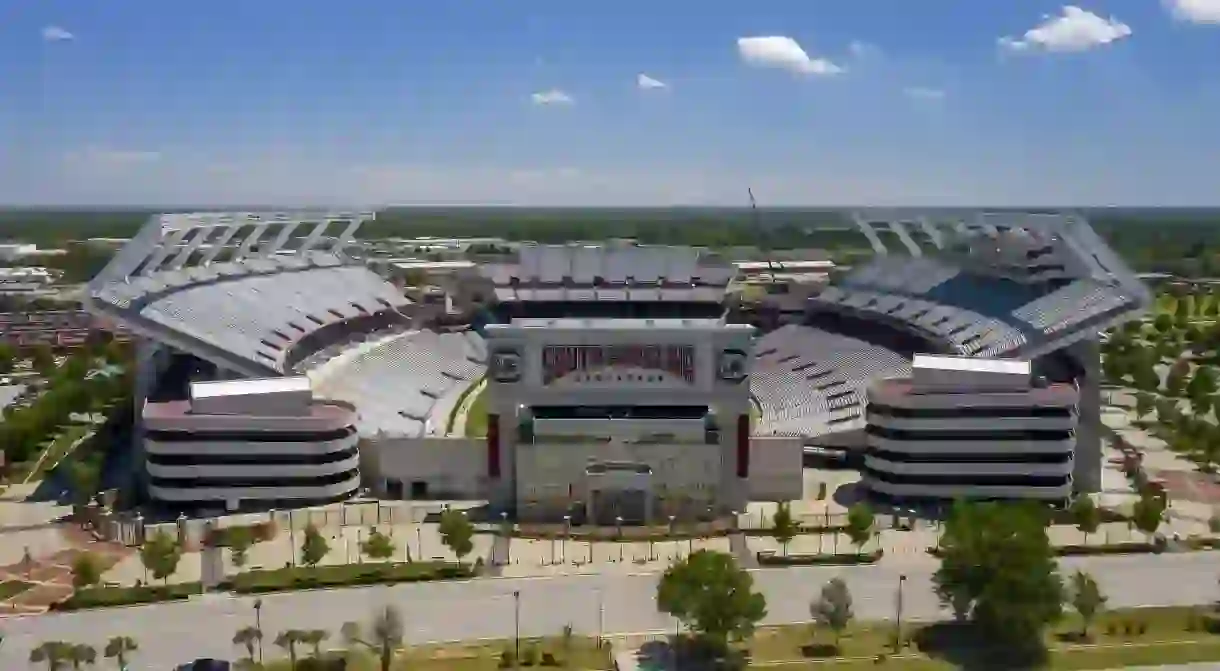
1167,639
481,656
11,588
476,416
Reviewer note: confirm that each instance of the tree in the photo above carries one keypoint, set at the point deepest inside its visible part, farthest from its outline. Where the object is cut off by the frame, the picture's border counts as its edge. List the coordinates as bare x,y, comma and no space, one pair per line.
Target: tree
288,640
378,546
1148,511
1086,515
833,608
55,654
1087,600
783,526
1145,378
86,572
713,596
7,359
991,552
42,358
384,638
1163,323
160,555
1144,404
119,648
859,525
81,653
241,539
456,532
313,547
248,637
83,478
1203,382
314,638
1175,379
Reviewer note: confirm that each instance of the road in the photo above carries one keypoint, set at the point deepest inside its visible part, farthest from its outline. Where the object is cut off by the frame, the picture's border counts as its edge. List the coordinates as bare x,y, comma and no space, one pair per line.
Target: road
169,634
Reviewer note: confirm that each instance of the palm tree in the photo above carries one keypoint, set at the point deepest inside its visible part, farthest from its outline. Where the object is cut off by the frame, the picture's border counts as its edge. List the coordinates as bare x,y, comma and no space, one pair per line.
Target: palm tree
82,654
288,640
385,636
248,637
118,648
53,653
314,638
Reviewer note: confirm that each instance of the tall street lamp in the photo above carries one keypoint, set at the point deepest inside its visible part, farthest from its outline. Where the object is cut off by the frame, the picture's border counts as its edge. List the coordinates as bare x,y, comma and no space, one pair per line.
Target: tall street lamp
258,624
898,613
671,538
508,538
618,523
517,626
567,531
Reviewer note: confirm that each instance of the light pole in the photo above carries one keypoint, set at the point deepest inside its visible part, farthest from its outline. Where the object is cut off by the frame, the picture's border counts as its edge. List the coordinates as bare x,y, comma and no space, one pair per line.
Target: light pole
601,616
517,627
567,531
258,624
898,614
618,523
508,537
671,536
419,540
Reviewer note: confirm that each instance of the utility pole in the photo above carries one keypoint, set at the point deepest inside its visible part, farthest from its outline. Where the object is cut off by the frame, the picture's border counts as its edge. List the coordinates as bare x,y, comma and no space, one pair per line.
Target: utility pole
517,626
898,614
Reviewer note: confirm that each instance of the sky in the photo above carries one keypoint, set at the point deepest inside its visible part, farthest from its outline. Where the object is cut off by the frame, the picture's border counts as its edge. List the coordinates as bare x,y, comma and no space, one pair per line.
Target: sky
668,102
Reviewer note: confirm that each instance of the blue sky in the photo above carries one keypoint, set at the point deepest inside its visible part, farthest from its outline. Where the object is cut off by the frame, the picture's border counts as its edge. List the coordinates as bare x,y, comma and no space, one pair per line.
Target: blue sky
541,102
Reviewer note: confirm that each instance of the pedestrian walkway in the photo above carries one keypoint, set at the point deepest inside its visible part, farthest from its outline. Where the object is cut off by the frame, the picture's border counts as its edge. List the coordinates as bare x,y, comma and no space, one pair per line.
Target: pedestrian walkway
50,576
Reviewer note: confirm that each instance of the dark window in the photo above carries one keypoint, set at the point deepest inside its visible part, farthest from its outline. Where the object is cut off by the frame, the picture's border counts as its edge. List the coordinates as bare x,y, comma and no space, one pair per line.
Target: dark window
978,436
1015,480
277,481
969,412
251,436
619,411
206,459
972,457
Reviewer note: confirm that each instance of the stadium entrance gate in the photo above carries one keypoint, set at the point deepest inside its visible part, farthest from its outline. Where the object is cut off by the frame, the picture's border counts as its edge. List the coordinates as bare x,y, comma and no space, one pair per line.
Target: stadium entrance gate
619,493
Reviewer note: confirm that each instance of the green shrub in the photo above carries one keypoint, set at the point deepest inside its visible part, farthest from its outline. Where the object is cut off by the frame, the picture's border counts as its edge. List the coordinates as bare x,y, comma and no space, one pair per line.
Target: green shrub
320,577
845,559
102,597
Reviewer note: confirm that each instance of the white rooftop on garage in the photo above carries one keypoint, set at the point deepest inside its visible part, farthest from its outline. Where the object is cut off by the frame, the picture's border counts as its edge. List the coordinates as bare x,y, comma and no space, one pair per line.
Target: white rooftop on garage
619,324
970,364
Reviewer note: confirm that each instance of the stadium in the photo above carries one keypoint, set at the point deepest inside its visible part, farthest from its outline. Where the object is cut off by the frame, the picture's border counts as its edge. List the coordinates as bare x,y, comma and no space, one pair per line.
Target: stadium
612,383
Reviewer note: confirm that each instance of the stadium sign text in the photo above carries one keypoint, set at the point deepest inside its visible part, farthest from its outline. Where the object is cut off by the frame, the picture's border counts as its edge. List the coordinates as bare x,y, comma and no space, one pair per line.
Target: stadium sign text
560,360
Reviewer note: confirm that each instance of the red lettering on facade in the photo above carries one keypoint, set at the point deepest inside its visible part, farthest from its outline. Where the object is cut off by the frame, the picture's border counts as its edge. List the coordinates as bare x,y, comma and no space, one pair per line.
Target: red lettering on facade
560,360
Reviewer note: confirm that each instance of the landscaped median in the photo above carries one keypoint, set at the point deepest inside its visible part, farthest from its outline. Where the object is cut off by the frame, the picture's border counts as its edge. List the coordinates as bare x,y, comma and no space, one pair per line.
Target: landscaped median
1119,638
1126,548
569,652
275,580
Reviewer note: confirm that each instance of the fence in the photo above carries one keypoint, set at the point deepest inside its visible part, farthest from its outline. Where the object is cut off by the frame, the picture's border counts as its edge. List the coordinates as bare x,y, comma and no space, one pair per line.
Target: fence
134,530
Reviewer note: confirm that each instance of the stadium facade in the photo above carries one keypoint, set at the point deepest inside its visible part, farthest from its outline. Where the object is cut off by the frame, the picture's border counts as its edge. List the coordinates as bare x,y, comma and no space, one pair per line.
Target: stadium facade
613,384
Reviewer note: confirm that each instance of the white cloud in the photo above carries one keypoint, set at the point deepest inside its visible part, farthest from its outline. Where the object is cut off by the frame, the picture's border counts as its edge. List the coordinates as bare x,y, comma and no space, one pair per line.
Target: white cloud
552,97
777,51
1074,29
56,34
1195,11
860,49
645,82
924,93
